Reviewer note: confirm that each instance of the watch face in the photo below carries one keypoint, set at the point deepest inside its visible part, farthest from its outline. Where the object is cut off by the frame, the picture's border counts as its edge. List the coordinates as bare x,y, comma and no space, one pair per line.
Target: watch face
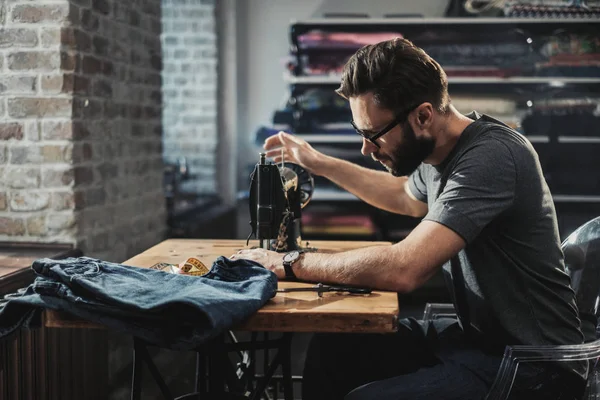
291,256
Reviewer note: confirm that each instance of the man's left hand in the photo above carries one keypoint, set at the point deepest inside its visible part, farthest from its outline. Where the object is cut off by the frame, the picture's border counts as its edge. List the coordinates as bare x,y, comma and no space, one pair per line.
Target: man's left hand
269,259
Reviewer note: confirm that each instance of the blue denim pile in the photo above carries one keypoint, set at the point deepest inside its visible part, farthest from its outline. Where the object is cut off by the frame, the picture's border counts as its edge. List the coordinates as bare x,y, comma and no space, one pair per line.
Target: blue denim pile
169,310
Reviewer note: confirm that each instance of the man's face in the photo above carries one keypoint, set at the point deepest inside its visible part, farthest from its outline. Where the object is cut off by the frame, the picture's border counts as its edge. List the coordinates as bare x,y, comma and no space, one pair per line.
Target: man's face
400,150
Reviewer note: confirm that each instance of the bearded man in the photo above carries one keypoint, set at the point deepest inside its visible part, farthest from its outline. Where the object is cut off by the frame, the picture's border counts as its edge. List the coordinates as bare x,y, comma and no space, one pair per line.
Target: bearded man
488,220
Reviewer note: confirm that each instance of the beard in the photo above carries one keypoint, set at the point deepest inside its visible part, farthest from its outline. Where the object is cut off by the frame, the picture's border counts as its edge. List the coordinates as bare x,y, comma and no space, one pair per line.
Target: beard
407,157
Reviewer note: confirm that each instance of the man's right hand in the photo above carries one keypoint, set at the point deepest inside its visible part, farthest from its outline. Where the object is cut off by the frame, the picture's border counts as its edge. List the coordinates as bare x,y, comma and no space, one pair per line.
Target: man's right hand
295,150
378,188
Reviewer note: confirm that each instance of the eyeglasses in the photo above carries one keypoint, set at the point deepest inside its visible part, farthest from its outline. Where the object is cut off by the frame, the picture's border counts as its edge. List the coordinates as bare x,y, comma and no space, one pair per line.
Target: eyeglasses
372,137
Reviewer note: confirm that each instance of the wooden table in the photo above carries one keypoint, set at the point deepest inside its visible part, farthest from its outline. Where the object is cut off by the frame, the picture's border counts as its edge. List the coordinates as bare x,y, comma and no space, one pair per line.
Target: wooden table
286,312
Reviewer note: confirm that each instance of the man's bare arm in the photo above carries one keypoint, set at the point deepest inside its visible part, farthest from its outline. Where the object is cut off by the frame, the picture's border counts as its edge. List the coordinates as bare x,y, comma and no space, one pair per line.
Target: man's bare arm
377,188
402,267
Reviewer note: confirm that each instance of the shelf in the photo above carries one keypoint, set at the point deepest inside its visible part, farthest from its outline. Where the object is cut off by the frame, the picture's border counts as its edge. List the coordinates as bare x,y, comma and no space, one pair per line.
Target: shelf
564,198
338,195
558,81
442,21
579,139
318,195
538,139
550,80
333,138
330,138
312,80
333,195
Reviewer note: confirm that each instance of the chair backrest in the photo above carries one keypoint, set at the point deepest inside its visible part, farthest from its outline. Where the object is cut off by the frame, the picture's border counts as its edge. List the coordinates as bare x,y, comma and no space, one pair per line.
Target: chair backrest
582,260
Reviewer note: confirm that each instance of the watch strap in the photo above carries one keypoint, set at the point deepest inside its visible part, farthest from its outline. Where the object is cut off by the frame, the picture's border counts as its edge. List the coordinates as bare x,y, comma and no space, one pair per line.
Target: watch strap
289,272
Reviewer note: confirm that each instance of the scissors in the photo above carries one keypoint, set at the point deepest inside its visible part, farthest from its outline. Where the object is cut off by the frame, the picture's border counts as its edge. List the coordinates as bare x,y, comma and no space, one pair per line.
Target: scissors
320,289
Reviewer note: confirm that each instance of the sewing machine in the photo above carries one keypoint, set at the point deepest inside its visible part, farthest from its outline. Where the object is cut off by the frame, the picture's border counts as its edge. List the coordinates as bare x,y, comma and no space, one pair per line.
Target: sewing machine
278,192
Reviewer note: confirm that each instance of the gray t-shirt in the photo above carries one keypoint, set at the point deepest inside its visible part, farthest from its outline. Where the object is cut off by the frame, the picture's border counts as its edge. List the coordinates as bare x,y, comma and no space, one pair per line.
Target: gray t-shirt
508,284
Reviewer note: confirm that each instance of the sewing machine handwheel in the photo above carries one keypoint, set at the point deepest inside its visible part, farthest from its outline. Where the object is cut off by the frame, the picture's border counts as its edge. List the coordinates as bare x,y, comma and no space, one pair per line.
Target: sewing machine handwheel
306,182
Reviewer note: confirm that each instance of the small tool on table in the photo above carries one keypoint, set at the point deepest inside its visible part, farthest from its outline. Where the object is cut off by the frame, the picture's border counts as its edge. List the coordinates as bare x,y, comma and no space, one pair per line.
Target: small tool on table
320,289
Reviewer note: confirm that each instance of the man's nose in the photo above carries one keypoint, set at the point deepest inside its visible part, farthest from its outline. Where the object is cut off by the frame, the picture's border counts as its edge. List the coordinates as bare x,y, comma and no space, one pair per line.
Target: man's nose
367,147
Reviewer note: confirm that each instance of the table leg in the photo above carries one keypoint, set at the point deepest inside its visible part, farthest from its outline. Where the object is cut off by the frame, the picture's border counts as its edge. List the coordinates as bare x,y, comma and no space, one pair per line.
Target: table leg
282,357
251,370
140,352
200,383
286,366
136,380
219,368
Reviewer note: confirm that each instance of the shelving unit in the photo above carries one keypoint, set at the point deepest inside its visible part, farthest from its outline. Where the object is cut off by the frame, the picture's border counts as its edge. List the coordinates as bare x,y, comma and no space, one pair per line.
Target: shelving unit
530,83
324,138
364,24
551,81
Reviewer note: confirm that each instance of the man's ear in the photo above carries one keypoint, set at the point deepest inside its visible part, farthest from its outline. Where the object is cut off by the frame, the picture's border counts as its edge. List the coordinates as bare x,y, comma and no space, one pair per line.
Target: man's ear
424,115
340,93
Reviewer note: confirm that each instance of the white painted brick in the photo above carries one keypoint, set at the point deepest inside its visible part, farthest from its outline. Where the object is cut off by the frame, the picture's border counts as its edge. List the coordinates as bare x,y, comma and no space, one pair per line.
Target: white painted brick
32,131
22,177
17,84
29,201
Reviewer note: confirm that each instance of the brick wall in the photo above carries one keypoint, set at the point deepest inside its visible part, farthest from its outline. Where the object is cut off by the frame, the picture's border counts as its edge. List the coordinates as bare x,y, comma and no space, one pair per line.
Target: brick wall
116,124
36,196
80,124
190,84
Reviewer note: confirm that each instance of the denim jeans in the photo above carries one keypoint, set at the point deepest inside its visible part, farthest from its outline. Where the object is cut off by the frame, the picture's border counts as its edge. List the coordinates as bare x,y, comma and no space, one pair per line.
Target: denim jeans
169,310
419,362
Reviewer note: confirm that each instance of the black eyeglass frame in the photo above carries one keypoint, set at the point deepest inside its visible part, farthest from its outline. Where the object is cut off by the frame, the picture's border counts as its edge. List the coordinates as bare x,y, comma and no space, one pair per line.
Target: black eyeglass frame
373,138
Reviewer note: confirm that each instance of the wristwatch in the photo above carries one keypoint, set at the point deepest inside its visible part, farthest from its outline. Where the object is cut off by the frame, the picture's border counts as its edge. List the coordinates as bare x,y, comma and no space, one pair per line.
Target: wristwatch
288,260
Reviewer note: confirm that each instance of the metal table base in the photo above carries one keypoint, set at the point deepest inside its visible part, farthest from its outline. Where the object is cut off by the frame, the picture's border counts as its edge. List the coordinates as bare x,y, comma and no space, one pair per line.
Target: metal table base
216,377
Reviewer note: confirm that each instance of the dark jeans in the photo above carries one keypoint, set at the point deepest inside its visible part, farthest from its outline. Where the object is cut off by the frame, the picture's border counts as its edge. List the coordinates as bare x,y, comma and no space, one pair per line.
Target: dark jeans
169,310
432,362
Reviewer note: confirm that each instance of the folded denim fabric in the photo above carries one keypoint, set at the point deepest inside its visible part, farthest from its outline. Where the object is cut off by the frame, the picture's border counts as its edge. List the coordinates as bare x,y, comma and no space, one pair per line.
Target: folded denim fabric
170,310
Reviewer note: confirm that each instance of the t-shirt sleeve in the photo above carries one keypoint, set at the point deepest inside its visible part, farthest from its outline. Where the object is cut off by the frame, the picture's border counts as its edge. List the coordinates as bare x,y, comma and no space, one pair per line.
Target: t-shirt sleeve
417,185
480,187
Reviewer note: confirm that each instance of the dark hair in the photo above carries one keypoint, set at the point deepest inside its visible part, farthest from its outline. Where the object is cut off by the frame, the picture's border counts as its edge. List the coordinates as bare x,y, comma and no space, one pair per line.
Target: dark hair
400,75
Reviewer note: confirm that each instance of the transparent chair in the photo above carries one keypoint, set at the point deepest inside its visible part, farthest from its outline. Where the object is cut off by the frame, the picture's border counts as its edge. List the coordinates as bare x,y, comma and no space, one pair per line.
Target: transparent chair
582,260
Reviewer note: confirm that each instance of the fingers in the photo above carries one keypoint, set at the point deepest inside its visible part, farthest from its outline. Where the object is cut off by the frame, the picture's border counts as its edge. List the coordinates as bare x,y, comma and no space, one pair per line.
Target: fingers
276,153
273,141
286,138
244,253
282,139
236,255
